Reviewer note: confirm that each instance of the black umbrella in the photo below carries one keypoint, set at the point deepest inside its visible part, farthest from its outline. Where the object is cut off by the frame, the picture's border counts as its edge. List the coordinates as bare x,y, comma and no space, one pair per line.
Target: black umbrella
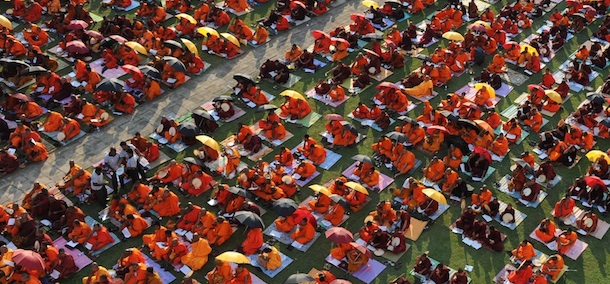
249,219
34,70
191,160
299,278
110,85
266,107
222,98
397,136
108,42
284,207
371,36
524,164
188,129
595,97
173,44
203,113
394,3
350,127
363,158
150,71
449,115
468,124
458,142
339,199
606,122
175,63
243,77
6,61
239,191
407,119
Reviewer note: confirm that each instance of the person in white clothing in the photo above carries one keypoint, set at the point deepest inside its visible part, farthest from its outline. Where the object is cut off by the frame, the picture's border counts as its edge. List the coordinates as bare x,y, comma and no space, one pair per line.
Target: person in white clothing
98,187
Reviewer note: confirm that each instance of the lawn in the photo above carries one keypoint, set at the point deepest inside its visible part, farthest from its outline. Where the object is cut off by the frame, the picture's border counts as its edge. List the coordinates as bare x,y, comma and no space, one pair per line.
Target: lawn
442,244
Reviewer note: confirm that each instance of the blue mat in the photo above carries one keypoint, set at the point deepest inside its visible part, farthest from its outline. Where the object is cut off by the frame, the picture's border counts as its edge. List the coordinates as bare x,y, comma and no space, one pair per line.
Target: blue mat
331,157
166,276
90,221
271,273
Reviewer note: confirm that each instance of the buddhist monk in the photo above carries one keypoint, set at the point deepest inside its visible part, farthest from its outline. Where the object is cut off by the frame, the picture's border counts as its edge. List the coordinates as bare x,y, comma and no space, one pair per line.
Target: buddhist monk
270,258
304,232
95,274
284,224
220,232
253,242
222,273
566,240
99,238
80,232
454,157
198,257
435,170
524,252
546,230
135,224
168,204
553,266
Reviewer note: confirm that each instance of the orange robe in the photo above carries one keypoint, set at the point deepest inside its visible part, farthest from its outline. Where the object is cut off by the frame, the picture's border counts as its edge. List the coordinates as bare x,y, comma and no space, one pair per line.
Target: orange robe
546,236
198,256
566,241
454,159
168,207
285,224
304,234
222,231
434,171
80,232
524,253
253,242
137,226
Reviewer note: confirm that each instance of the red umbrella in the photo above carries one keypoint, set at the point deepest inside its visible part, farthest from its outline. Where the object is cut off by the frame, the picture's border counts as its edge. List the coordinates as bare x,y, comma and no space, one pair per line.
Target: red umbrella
432,128
318,34
483,152
334,116
387,85
477,27
94,34
356,17
299,214
77,46
371,52
77,25
337,40
118,38
339,235
131,69
21,97
28,259
510,44
593,181
361,249
294,4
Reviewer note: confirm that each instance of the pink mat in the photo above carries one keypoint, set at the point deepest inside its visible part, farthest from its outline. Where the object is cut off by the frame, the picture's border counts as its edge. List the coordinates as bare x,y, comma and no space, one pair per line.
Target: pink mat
366,273
573,253
304,182
471,92
312,94
602,228
238,111
384,181
80,259
109,73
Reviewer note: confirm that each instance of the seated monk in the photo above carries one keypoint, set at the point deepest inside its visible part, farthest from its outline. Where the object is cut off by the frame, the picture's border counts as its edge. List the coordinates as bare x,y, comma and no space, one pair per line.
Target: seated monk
497,64
285,157
425,88
340,251
513,130
546,230
275,131
588,222
553,266
151,240
284,224
320,204
99,238
435,170
34,35
345,138
404,162
253,242
454,157
295,108
70,128
566,240
80,232
293,54
270,258
190,215
500,146
168,204
433,141
197,183
524,252
220,232
449,180
304,232
198,257
172,173
335,214
53,122
304,170
94,115
237,5
316,154
367,175
256,95
77,179
261,35
135,224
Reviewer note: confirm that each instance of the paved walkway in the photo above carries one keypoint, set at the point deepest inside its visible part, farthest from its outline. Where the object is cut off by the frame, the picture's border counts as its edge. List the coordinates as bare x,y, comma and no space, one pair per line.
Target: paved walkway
192,94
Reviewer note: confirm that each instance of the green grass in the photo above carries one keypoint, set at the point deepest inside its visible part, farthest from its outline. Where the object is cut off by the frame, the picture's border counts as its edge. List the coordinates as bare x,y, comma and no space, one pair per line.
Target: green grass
443,245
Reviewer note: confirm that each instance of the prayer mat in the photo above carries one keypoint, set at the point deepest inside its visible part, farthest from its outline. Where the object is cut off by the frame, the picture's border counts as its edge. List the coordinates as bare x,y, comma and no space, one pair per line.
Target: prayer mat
504,188
337,3
331,157
348,85
577,214
209,107
406,17
53,136
293,79
253,44
260,154
393,257
502,276
470,242
166,276
504,90
309,120
324,98
80,259
90,221
271,273
251,104
471,93
8,243
602,228
98,67
385,73
497,158
576,160
222,3
434,263
514,77
370,123
50,147
416,228
480,4
551,183
95,17
299,22
367,273
307,180
489,172
441,209
388,23
282,237
384,180
519,217
573,253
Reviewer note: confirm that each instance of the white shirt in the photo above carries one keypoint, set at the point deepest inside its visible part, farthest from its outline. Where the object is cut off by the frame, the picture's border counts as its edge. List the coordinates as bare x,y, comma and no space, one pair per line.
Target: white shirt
123,153
112,162
132,162
97,179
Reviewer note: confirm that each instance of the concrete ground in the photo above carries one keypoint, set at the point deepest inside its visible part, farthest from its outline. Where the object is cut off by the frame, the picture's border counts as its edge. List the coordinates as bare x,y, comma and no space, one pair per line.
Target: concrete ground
93,147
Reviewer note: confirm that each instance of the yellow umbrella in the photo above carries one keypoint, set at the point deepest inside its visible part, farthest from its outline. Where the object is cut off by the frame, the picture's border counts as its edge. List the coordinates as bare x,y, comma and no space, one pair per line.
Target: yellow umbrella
370,3
486,24
137,47
357,187
187,17
593,155
233,256
320,189
530,49
435,195
230,38
190,46
490,90
204,31
553,95
209,141
5,22
293,94
455,36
